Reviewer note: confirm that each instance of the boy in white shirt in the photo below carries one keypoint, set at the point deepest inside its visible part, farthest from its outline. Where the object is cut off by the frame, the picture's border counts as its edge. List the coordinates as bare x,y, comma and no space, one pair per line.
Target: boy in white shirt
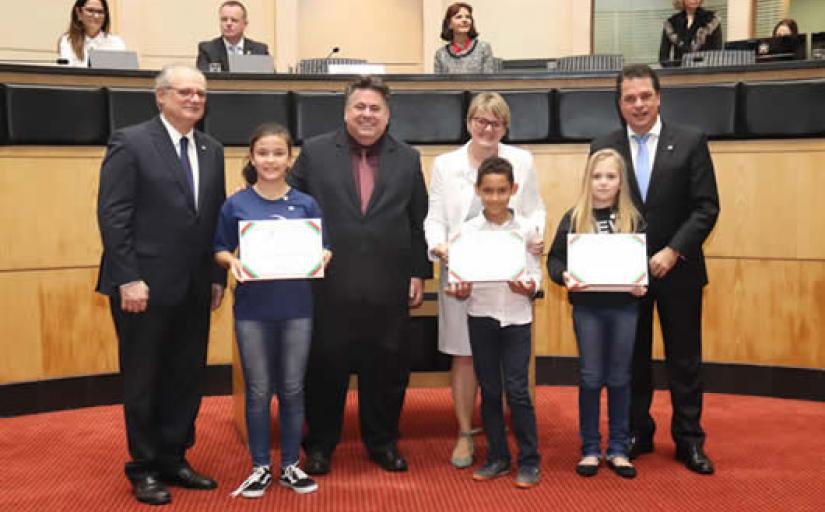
499,320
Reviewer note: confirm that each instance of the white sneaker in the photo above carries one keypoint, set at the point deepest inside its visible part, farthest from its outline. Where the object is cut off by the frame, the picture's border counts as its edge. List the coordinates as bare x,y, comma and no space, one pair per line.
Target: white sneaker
293,477
255,486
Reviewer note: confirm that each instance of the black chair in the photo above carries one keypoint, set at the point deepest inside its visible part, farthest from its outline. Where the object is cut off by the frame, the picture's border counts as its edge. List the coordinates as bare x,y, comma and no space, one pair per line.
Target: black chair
130,106
711,108
38,114
431,117
584,114
316,113
4,126
232,116
783,109
531,115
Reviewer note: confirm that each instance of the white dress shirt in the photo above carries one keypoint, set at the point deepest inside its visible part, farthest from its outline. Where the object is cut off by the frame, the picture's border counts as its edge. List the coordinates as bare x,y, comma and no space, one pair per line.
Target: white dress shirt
234,49
496,299
175,135
102,41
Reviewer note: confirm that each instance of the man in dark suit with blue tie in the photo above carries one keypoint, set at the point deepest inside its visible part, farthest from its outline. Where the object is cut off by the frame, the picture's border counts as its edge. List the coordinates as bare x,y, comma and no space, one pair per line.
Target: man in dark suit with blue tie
673,185
161,187
372,192
233,19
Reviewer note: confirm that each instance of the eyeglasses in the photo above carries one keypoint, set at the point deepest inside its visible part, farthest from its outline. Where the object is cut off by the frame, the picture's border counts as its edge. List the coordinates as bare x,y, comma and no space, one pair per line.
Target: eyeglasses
189,92
486,123
94,12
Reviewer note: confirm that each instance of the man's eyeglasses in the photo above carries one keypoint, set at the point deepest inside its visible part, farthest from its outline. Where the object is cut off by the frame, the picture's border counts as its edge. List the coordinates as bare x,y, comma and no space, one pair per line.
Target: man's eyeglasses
189,92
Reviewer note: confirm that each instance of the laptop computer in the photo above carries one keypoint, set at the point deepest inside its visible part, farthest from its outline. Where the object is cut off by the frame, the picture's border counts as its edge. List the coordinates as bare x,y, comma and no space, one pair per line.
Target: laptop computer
113,59
251,64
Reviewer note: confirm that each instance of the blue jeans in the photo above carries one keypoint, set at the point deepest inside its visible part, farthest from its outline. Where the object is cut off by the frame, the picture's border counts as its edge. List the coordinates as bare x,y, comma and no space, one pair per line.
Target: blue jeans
605,336
274,358
504,352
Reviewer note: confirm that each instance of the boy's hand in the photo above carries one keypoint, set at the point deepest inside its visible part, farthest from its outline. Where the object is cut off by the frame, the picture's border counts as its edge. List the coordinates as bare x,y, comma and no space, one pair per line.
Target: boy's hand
527,288
440,251
460,290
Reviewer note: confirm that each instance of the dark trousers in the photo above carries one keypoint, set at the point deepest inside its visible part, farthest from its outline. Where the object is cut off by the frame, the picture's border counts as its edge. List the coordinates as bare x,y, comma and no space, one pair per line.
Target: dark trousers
162,354
371,341
504,352
680,315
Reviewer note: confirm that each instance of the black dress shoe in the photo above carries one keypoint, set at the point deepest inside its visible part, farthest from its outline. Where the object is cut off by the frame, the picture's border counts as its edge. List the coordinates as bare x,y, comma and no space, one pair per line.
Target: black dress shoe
587,469
695,459
389,460
150,490
622,471
638,446
317,463
185,476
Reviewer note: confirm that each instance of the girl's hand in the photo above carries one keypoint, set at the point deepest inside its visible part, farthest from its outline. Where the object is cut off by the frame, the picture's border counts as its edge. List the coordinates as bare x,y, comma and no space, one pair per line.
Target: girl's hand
527,288
460,290
326,255
573,284
237,269
638,291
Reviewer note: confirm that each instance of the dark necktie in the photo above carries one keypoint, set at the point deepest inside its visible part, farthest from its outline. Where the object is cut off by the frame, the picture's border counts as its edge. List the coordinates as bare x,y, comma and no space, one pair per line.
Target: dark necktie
366,180
187,168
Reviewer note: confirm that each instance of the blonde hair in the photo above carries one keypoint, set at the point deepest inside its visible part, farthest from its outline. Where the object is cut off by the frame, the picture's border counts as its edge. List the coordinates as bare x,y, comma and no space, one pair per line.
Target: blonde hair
627,218
491,102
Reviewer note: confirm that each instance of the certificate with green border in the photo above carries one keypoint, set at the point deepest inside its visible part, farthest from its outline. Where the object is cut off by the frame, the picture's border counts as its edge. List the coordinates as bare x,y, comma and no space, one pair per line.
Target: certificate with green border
608,262
281,249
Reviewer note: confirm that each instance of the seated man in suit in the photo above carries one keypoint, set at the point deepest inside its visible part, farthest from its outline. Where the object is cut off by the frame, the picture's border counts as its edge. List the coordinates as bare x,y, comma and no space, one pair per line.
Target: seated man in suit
232,40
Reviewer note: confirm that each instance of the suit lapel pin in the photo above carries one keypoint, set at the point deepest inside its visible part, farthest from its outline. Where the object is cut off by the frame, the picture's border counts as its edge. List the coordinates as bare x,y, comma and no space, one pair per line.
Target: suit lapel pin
670,147
203,148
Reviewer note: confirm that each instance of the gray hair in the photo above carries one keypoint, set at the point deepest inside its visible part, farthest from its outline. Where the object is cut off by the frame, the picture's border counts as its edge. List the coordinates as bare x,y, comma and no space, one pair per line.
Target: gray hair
168,73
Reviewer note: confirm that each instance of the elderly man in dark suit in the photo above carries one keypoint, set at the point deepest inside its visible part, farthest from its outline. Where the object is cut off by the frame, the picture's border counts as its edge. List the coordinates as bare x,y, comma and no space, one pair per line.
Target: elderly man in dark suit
674,187
372,188
161,187
233,20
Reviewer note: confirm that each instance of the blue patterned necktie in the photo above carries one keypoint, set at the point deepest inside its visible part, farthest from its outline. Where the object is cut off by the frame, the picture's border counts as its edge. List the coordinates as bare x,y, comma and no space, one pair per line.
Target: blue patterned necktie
642,164
187,167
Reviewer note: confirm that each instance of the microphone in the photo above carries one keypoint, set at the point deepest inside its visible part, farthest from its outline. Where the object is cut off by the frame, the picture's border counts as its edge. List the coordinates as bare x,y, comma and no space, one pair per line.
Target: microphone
335,50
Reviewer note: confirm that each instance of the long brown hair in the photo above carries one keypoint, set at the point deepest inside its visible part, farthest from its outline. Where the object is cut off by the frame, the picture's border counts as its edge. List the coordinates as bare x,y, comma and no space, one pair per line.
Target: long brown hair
628,217
77,32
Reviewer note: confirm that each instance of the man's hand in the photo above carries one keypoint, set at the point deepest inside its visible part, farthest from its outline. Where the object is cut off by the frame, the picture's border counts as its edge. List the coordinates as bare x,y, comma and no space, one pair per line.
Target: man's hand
217,296
416,295
662,262
134,297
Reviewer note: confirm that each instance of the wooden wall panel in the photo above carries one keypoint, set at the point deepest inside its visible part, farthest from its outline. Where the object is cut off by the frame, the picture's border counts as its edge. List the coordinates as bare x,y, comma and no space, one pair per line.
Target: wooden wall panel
765,312
766,259
47,215
768,203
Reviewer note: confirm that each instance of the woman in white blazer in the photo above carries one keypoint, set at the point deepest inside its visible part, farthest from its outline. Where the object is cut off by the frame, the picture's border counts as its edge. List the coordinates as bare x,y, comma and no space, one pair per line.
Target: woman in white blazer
452,201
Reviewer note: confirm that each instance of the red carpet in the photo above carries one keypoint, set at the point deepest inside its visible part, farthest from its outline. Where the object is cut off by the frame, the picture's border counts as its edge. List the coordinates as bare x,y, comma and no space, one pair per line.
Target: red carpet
769,455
